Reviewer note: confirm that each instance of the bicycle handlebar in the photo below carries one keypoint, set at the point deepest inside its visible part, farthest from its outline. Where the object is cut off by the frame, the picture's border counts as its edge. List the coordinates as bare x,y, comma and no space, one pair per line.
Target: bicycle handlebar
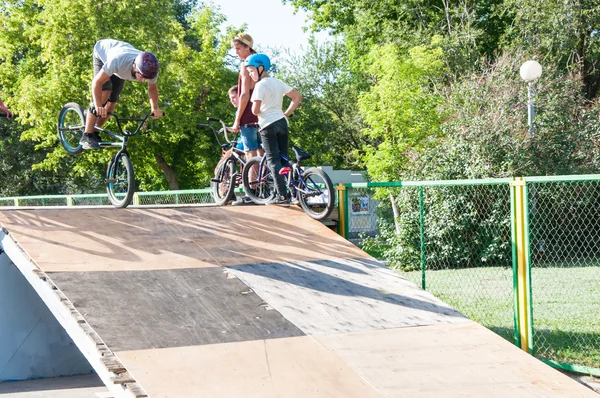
224,128
141,121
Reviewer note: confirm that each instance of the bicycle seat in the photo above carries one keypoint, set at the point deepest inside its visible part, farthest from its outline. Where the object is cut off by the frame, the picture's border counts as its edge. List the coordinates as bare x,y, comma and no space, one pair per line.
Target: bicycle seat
300,154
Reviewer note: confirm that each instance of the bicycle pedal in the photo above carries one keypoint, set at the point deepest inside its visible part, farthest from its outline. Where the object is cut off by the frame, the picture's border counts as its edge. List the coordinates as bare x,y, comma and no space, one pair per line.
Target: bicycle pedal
284,171
110,181
215,180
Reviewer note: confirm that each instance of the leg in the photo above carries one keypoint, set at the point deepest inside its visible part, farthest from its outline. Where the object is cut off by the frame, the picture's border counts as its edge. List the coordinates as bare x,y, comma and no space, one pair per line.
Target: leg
110,102
271,145
92,119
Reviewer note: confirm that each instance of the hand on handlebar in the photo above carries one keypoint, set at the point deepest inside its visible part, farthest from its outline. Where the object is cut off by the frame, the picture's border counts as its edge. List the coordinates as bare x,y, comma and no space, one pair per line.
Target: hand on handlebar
100,111
157,113
235,128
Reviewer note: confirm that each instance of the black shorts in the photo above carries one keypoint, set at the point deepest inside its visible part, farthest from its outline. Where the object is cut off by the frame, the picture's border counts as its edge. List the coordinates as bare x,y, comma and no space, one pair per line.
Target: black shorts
114,84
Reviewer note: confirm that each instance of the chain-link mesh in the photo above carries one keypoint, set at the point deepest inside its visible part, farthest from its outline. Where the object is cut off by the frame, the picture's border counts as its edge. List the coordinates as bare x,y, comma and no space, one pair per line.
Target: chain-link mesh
466,237
91,200
180,198
468,252
42,201
362,213
7,202
564,227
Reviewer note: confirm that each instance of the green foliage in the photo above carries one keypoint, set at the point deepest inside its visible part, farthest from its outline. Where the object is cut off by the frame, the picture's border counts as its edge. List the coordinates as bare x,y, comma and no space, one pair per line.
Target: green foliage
328,124
400,108
46,47
17,176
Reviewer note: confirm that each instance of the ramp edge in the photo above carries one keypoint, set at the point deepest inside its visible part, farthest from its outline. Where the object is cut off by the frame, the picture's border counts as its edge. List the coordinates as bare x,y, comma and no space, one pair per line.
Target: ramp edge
110,370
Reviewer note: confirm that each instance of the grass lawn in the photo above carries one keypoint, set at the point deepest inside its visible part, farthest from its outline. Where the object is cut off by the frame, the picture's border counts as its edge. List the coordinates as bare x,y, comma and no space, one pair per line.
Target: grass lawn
566,306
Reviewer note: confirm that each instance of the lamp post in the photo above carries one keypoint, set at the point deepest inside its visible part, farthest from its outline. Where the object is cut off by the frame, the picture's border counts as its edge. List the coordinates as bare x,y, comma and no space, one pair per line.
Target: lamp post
530,71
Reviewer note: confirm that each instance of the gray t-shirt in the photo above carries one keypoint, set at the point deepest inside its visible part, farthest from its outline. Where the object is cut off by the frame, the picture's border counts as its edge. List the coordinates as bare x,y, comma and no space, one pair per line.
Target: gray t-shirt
117,57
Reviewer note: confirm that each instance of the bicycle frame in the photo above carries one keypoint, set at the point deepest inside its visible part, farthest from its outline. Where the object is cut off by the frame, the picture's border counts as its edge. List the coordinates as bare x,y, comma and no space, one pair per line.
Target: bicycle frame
291,182
124,134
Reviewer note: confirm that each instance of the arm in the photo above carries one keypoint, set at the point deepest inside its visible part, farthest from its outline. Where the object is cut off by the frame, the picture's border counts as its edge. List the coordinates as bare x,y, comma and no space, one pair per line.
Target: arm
4,109
256,107
101,78
153,95
296,98
246,86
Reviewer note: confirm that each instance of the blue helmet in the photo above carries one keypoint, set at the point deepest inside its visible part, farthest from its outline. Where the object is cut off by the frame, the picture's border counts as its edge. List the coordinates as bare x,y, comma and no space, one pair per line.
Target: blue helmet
257,60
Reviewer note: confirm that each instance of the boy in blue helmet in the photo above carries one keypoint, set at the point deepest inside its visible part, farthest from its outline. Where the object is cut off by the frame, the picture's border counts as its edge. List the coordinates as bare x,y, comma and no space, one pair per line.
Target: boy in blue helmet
267,101
114,62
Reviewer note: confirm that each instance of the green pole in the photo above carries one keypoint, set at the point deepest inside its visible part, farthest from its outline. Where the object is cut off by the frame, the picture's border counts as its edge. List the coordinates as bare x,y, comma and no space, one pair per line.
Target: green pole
422,222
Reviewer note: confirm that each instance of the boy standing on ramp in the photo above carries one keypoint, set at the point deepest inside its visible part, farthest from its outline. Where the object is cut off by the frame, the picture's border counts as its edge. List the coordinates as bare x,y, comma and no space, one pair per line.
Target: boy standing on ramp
267,100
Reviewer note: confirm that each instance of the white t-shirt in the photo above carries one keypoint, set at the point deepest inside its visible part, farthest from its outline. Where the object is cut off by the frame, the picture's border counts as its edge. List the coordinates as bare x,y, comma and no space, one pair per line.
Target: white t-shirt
270,92
117,57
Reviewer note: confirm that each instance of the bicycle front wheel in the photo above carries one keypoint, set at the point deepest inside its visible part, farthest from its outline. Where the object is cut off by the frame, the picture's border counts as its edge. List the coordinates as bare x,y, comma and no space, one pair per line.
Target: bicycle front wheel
71,125
316,193
258,181
120,183
223,184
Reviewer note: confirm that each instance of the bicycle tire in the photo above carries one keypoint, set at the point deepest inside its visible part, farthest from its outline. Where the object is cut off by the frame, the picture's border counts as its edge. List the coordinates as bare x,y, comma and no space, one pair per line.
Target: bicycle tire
223,184
261,188
318,209
120,182
70,127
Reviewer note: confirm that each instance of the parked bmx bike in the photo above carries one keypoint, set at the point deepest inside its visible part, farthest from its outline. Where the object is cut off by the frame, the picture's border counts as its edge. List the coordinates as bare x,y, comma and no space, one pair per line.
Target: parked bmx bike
311,188
228,173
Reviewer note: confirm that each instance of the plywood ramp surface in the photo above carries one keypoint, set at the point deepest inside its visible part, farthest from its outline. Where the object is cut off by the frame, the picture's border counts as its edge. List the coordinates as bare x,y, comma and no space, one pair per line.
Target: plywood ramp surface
452,360
255,302
84,240
294,367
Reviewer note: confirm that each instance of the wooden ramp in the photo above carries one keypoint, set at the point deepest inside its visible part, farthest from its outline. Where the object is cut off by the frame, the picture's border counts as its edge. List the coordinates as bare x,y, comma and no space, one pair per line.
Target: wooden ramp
254,302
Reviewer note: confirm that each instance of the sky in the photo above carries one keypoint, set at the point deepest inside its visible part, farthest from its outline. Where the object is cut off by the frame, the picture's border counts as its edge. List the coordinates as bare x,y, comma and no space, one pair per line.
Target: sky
270,23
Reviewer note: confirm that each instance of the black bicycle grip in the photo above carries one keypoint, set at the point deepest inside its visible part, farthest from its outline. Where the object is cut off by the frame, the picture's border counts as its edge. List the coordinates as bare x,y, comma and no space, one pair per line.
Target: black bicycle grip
212,119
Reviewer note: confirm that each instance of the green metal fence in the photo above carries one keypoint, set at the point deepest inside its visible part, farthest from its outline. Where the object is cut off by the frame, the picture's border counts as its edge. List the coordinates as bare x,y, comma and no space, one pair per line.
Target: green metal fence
192,196
457,240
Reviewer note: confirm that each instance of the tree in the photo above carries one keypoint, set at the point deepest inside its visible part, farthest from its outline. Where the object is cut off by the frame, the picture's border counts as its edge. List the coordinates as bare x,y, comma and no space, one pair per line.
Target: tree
401,107
327,124
46,50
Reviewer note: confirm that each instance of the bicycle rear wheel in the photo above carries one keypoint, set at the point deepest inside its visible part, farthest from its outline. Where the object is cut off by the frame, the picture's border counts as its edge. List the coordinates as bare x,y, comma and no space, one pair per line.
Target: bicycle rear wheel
71,125
258,181
223,184
316,193
120,182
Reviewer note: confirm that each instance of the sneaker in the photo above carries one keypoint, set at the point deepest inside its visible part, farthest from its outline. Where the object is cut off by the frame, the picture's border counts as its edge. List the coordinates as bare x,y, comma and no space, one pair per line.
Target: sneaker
96,136
295,200
278,200
89,141
243,201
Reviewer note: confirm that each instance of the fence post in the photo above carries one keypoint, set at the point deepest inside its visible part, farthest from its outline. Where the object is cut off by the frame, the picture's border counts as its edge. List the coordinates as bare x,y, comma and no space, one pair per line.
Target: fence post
69,200
136,199
422,225
342,210
523,274
16,200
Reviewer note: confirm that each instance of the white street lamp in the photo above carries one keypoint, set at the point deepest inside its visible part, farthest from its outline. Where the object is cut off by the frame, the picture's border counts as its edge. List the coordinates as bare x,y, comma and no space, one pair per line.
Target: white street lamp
530,71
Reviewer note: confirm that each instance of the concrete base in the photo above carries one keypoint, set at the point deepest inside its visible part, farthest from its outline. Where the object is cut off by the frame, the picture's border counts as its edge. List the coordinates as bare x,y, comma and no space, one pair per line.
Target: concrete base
87,386
32,342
